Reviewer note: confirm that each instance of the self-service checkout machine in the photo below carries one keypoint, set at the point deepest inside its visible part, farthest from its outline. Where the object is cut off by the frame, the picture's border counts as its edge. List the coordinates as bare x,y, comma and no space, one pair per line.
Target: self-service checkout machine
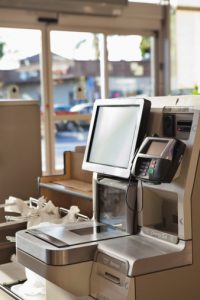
143,242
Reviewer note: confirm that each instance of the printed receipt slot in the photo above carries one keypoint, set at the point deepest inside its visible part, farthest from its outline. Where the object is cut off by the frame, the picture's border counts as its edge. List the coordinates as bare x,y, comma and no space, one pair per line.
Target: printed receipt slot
158,159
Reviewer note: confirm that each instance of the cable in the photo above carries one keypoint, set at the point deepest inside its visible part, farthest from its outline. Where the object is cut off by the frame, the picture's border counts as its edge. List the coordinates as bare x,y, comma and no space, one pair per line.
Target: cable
126,195
141,195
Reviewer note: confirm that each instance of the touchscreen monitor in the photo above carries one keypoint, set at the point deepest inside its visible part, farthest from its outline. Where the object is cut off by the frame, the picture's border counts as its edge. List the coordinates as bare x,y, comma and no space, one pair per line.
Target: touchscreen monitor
116,131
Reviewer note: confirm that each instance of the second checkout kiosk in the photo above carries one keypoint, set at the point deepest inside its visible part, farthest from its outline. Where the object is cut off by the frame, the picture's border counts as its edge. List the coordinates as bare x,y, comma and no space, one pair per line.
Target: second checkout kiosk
143,242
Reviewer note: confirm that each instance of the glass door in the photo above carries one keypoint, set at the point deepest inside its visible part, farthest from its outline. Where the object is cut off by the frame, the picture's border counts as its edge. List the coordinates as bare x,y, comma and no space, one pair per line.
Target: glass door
75,70
69,64
76,85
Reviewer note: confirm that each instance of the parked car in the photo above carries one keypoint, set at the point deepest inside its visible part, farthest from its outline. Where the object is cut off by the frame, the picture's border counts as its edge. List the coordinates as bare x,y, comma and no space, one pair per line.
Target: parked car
73,126
83,108
61,108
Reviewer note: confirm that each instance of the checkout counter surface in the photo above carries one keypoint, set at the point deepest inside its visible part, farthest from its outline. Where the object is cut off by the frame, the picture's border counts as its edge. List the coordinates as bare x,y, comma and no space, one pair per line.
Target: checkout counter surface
143,254
65,244
146,254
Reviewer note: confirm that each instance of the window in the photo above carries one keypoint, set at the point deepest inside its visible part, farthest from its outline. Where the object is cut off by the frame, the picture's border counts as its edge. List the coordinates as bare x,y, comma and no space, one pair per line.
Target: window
129,66
20,76
20,63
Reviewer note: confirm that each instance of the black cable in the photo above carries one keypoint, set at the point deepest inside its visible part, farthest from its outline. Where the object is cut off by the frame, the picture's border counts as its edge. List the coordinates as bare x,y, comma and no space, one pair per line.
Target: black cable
141,191
129,182
126,195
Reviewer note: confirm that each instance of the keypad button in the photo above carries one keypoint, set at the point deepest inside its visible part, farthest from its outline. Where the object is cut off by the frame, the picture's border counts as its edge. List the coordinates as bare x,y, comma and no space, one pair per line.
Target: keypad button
151,171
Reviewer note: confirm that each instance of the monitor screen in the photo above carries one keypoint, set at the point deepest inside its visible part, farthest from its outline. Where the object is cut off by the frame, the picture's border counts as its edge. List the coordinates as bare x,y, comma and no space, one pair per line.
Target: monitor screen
113,134
156,148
